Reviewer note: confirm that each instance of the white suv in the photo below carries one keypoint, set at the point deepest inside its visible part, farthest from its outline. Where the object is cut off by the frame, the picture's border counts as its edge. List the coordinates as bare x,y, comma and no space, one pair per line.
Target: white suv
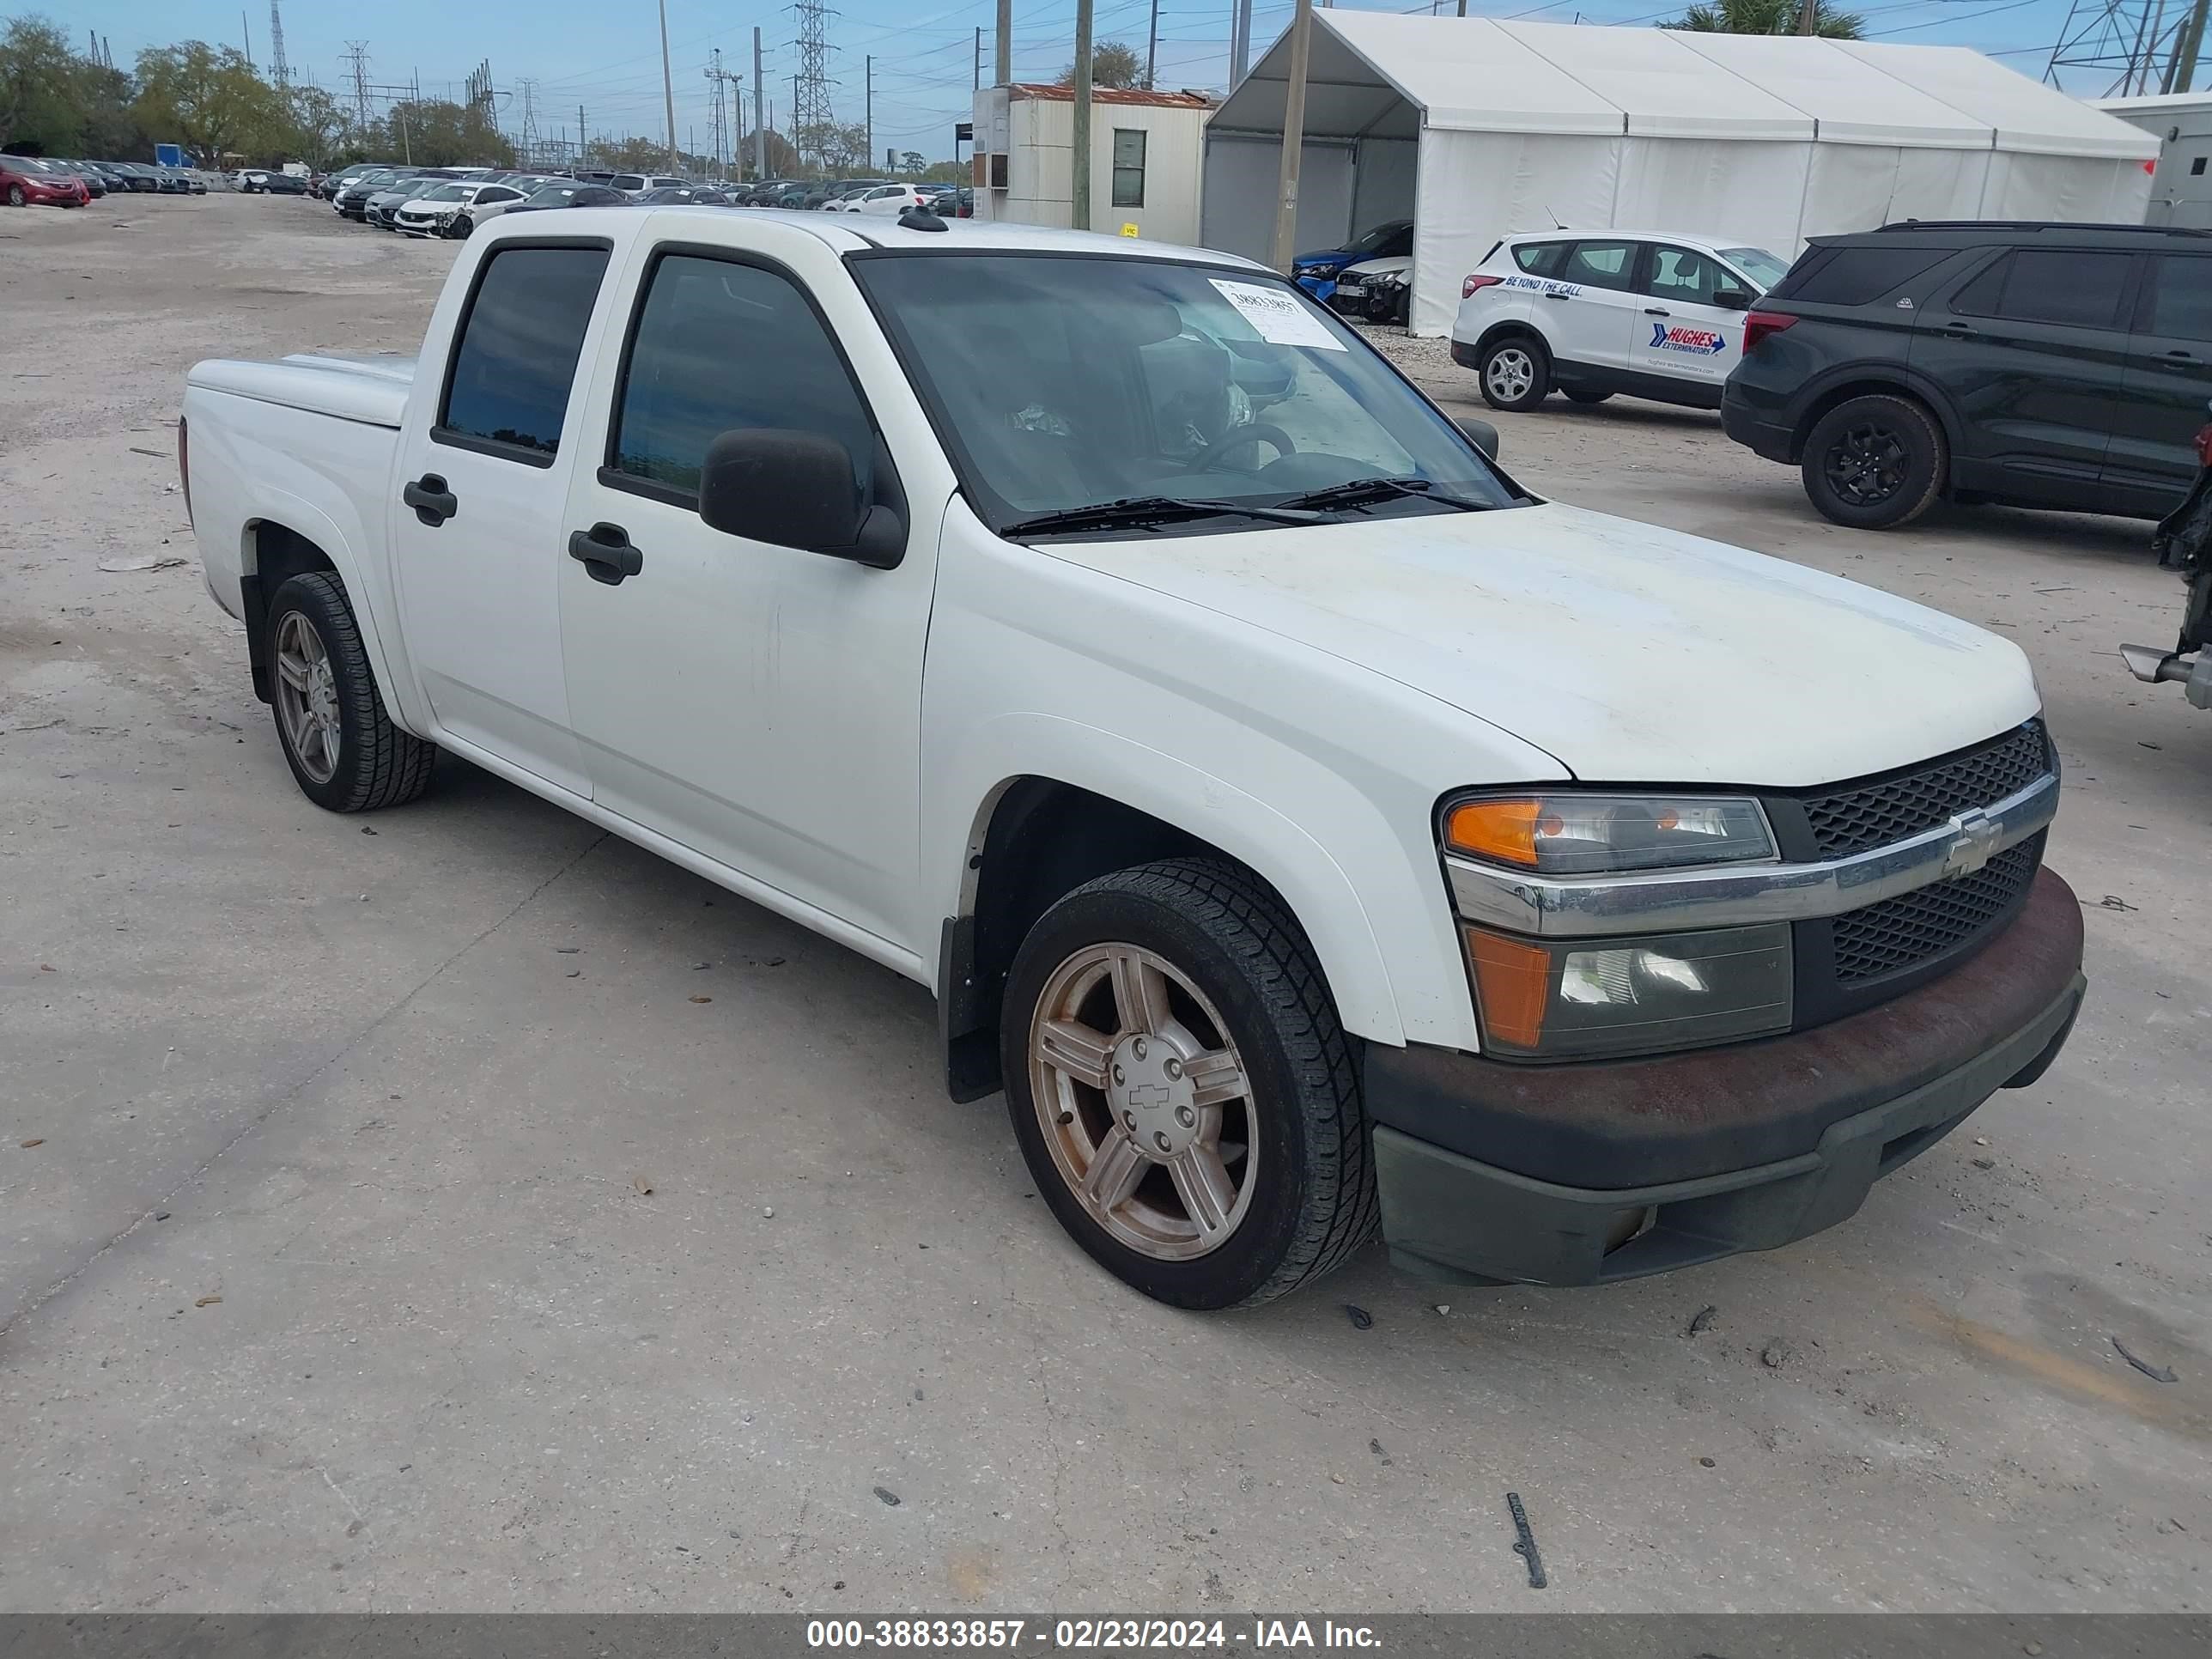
1591,314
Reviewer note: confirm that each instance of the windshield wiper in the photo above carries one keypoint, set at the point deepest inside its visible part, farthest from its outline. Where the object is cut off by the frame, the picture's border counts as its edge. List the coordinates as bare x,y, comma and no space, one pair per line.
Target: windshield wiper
1355,491
1139,510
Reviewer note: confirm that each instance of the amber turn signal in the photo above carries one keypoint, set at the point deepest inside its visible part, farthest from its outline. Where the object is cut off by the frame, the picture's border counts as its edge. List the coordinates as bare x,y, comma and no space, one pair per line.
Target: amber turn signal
1505,830
1513,984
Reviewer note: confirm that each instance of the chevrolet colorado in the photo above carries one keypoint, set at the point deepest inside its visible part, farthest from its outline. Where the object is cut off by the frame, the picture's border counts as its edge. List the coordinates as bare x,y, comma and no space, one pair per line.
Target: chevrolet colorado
1310,831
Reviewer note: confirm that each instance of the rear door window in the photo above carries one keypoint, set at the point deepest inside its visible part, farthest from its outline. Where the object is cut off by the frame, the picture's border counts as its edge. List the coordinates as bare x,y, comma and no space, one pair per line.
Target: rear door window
1601,264
2067,288
507,393
1856,275
2180,306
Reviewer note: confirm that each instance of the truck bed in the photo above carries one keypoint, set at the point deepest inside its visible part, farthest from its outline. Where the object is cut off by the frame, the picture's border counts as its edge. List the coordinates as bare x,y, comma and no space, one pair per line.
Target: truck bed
370,387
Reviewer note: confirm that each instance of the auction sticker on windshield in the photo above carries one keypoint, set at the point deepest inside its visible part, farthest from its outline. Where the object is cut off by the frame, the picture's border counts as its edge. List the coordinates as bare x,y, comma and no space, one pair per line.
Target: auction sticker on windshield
1279,319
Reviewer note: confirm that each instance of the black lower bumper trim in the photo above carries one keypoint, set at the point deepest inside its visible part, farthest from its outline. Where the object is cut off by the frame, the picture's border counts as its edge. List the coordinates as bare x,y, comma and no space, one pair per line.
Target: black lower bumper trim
1447,1216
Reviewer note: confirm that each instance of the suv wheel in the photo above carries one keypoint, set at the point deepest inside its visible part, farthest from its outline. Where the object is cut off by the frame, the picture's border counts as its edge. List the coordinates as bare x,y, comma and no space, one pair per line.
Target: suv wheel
1516,372
1876,462
1180,1088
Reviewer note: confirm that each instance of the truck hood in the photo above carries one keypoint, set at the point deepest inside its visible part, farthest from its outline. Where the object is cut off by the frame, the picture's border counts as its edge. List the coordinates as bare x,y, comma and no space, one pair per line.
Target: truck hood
1628,653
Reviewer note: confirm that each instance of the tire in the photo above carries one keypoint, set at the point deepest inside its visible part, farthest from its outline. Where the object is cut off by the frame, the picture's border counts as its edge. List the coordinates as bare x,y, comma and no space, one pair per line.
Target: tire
1516,372
1876,462
375,764
1581,394
1236,994
463,227
15,198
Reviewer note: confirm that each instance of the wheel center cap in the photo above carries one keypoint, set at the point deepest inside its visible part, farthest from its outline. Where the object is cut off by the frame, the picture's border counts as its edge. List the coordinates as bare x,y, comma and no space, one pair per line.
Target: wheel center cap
1151,1091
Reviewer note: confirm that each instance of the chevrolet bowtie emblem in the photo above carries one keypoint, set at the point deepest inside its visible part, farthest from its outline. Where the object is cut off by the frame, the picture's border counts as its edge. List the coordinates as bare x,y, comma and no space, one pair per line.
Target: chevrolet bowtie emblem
1974,838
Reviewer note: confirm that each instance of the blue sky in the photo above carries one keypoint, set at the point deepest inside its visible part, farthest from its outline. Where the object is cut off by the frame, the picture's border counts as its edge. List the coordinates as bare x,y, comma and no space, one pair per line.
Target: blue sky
607,57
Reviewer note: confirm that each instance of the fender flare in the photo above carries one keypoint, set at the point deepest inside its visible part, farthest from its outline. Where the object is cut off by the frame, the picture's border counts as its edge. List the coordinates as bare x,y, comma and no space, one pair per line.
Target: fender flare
1879,376
309,522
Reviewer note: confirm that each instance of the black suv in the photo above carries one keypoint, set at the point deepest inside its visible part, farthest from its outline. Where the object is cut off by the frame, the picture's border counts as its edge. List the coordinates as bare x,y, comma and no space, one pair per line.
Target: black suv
2040,365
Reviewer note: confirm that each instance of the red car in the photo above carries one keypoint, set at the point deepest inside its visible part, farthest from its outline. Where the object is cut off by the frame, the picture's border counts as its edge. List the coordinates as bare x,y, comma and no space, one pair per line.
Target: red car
26,181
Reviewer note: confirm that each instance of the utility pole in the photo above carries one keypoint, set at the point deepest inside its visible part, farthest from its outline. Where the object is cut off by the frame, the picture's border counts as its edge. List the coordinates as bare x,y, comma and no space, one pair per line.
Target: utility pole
760,111
582,143
1808,17
668,88
868,104
1294,138
1151,43
979,57
248,29
1006,78
1078,155
1240,40
2188,43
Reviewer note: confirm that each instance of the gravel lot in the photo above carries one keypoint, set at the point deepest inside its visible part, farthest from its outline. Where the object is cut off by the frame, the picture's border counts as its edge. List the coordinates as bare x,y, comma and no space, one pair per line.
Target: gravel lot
328,1279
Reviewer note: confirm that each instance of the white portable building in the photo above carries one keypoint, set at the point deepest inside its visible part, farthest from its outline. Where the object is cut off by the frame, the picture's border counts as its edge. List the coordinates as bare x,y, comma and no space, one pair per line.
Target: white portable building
2181,191
1475,128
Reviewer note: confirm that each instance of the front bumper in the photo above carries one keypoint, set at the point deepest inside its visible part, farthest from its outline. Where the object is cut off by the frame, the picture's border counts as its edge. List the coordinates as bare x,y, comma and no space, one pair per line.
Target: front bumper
1612,1170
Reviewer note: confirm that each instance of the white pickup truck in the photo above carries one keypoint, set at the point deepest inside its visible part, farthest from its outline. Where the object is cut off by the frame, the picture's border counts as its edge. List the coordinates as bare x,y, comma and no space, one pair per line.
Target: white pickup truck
1310,831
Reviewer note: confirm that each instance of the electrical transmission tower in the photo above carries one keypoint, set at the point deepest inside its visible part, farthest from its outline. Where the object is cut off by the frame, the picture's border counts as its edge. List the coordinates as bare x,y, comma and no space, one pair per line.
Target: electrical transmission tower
280,70
527,144
356,58
2122,47
480,98
812,117
722,79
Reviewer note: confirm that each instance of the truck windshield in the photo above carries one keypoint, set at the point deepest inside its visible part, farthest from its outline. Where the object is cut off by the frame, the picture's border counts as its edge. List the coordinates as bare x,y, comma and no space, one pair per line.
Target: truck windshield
1059,383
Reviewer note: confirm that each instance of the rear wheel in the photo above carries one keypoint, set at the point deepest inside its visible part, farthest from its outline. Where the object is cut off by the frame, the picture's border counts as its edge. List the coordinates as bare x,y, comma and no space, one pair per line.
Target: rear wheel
1516,372
1181,1090
1876,462
344,749
15,198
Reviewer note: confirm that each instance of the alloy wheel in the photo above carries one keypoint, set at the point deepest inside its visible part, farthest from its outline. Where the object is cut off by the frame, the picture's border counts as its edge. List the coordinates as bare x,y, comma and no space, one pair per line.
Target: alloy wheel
1867,464
307,696
1144,1101
1510,372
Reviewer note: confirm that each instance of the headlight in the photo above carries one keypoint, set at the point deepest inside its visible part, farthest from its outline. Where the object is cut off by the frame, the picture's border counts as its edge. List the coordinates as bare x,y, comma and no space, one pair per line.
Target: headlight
1568,834
1580,999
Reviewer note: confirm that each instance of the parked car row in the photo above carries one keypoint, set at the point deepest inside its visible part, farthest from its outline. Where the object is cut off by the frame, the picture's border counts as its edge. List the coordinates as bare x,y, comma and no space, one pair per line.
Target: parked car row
2027,364
49,181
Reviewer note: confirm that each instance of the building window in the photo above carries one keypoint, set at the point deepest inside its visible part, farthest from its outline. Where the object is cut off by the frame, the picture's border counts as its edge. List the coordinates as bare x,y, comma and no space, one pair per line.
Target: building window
1128,167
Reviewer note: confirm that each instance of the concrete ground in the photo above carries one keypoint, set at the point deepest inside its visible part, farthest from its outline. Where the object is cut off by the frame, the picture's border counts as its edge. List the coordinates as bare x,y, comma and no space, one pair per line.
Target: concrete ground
354,1254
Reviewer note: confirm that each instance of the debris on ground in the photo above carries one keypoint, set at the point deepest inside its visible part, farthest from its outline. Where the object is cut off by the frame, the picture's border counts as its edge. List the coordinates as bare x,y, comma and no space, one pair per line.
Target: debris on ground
644,1185
207,1302
703,999
1524,1546
142,562
35,1140
890,1497
1705,1463
1361,1319
1775,1354
2114,902
1703,1319
2156,1373
768,1211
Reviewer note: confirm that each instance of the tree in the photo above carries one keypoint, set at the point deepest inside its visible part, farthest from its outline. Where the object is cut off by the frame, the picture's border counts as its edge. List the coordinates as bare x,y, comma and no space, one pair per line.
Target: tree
1112,64
433,133
40,86
210,100
912,161
317,125
782,159
1765,17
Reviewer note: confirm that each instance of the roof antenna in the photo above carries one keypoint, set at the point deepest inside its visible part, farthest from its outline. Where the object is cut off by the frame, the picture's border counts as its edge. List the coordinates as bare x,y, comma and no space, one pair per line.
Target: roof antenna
1553,217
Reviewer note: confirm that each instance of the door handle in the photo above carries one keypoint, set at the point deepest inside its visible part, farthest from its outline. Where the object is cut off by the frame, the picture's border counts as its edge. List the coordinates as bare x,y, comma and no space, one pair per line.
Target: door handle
1555,294
433,502
1960,330
605,553
1655,310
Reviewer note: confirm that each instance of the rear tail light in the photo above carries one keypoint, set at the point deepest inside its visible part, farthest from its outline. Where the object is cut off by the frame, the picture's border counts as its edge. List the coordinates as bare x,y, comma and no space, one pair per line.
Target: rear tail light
1475,283
1758,324
184,466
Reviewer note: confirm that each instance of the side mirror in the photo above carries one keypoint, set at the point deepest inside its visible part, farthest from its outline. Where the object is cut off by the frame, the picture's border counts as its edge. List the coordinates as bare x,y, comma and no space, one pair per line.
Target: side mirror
1732,299
795,489
1480,433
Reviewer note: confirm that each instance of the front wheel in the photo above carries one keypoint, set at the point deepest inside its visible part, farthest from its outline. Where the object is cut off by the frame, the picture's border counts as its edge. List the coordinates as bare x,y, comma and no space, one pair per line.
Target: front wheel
343,749
1181,1090
16,197
1874,463
1515,373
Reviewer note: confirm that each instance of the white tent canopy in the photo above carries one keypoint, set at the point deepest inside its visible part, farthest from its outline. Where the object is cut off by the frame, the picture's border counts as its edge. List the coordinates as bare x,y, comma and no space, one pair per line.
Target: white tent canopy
1476,128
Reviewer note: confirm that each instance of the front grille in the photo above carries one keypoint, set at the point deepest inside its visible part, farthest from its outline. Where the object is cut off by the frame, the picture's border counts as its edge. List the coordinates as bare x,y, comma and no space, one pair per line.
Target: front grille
1874,814
1913,927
